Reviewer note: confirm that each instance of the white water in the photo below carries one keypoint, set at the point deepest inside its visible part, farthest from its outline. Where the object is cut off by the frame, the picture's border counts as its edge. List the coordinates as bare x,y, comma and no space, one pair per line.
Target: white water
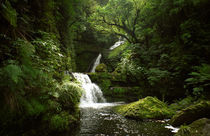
97,62
173,129
93,96
118,43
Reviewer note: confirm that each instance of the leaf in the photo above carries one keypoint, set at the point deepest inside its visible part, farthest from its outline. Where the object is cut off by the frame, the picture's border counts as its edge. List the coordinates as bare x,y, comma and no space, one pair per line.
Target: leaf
13,72
9,13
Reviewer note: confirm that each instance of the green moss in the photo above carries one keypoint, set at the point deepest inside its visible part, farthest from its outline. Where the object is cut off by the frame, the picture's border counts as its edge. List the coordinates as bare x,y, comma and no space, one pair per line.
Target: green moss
147,108
101,68
191,113
197,128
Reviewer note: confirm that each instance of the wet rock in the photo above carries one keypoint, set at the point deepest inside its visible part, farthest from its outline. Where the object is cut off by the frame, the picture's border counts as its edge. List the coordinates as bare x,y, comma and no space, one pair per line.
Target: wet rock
200,127
191,113
147,108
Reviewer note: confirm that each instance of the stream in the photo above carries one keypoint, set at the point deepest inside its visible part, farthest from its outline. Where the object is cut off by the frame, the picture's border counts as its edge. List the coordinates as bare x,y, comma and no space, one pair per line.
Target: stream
98,118
104,122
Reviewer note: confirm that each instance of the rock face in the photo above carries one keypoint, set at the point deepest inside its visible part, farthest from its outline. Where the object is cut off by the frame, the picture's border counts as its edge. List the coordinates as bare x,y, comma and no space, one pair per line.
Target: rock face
191,113
147,108
199,127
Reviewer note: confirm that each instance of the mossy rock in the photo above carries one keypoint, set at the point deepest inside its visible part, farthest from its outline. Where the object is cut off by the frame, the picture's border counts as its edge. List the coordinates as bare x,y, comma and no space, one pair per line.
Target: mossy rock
199,127
191,113
147,108
101,68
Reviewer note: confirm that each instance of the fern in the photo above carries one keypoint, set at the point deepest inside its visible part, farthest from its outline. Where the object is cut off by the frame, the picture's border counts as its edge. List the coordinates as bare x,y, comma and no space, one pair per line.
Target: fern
199,79
9,13
11,77
25,50
14,72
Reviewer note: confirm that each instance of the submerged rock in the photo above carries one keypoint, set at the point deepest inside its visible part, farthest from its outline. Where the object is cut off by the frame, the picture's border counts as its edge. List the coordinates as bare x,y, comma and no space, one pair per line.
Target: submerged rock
199,127
147,108
191,113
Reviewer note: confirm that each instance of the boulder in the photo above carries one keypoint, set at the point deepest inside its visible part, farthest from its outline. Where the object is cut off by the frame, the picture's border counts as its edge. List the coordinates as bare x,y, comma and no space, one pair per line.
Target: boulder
200,127
147,108
191,113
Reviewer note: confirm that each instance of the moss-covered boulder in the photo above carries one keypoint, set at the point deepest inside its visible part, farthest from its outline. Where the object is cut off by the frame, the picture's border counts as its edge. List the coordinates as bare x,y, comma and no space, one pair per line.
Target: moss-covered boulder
147,108
191,113
101,68
199,127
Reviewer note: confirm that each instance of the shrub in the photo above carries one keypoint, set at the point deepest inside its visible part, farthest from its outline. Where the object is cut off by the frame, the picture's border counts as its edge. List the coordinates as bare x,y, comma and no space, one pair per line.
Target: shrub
200,79
178,105
54,106
69,95
61,122
32,107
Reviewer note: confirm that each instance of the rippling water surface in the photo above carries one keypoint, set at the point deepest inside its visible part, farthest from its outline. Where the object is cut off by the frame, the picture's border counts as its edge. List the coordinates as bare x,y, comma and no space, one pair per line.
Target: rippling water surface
102,121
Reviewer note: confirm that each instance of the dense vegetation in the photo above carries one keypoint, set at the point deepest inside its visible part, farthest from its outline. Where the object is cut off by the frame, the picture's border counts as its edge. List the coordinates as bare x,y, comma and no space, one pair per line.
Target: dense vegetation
166,54
36,49
167,49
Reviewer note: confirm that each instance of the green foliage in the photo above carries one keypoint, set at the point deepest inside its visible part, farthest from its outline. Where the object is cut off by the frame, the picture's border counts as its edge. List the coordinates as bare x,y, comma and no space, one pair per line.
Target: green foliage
101,68
117,51
69,95
25,51
178,105
172,38
54,106
13,75
200,79
119,90
32,107
50,56
155,75
118,17
9,13
61,122
36,48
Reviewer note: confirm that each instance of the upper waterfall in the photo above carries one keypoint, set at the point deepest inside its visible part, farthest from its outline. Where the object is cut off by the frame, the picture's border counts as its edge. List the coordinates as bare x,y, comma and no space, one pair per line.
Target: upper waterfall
118,43
96,63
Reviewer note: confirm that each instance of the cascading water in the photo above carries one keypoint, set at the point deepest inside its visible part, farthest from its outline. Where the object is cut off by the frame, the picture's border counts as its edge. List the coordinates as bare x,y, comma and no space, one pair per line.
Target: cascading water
92,94
118,43
97,62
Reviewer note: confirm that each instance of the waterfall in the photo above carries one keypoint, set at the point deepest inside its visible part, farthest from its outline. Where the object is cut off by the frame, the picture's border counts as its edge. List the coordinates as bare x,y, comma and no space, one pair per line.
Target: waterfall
118,43
92,94
96,63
